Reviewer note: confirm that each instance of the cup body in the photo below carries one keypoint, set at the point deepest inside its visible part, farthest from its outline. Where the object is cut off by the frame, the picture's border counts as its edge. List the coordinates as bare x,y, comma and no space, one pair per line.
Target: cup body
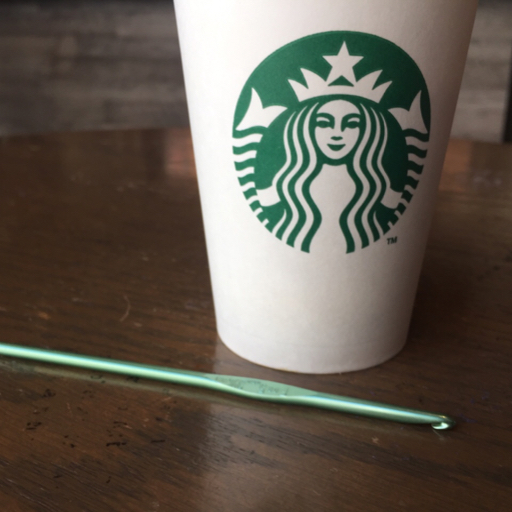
320,129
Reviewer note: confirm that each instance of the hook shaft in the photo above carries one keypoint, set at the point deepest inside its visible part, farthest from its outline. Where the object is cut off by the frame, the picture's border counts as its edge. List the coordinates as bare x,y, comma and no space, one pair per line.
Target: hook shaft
246,387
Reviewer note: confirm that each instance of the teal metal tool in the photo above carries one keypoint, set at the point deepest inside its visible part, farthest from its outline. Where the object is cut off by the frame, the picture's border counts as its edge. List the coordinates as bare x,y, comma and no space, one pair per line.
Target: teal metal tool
249,388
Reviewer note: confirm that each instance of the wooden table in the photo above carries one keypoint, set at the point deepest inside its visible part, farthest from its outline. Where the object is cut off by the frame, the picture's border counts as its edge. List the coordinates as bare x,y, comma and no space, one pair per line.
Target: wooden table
102,252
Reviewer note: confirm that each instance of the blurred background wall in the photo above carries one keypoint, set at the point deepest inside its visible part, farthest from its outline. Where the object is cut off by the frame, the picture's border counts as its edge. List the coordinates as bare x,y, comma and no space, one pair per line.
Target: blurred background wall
100,64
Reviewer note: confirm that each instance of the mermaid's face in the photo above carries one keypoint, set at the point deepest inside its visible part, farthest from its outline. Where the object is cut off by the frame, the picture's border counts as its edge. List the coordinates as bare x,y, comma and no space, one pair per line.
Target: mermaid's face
337,128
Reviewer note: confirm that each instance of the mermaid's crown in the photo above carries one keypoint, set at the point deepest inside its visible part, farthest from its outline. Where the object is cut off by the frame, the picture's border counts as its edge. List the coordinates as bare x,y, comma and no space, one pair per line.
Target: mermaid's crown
341,80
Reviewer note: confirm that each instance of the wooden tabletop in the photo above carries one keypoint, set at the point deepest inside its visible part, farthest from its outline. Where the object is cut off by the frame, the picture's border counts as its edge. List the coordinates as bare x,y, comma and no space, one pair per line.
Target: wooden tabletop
102,252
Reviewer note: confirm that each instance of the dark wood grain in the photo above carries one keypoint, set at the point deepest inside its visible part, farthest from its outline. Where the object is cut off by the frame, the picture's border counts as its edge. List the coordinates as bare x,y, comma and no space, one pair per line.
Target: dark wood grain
102,252
507,131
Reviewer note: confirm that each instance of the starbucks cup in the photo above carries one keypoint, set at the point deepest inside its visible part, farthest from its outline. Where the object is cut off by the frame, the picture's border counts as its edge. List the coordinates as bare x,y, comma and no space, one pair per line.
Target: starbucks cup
320,129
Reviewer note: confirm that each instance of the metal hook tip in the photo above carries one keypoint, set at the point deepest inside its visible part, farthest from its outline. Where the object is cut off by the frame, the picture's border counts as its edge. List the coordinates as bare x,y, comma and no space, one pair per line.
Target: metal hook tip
445,424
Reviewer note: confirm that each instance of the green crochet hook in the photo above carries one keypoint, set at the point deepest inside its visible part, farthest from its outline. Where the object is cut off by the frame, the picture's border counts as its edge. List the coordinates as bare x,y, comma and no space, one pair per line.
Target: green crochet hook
246,387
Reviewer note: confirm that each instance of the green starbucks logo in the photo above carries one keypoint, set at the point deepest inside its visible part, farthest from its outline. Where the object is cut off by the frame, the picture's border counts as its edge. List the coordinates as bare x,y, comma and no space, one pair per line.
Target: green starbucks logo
334,110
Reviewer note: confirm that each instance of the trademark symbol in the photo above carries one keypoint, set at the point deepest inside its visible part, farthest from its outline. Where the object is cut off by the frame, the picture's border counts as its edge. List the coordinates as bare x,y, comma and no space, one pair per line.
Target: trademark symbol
393,241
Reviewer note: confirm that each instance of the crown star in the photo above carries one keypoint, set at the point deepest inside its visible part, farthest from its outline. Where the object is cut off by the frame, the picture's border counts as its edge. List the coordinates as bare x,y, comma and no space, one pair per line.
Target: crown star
342,65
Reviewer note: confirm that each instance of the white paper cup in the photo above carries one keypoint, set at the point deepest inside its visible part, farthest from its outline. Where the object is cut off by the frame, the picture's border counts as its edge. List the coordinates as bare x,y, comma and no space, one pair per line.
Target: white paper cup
320,129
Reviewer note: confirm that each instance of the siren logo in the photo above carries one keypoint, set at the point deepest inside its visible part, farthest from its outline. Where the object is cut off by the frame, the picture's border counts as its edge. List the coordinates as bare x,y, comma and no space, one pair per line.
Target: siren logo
332,131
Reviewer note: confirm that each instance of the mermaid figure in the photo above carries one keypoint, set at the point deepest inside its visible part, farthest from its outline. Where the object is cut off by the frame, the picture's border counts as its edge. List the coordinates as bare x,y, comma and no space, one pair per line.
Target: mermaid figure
346,128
